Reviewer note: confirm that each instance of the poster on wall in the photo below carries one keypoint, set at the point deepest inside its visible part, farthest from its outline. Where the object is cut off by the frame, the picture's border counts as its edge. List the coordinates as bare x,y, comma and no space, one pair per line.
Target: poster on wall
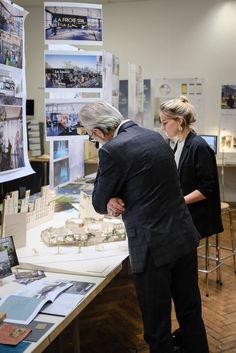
123,99
14,161
193,88
73,23
135,91
62,118
111,79
228,119
73,71
66,160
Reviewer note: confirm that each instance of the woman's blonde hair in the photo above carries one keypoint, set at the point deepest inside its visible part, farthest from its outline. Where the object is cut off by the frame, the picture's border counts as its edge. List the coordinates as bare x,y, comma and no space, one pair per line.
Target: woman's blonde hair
179,107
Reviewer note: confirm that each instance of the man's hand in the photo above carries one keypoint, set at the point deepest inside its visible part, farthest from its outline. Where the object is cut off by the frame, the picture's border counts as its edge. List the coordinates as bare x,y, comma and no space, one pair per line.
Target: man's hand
115,207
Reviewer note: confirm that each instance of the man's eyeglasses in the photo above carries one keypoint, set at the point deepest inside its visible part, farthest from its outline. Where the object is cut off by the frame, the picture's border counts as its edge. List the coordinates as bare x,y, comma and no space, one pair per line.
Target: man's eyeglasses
91,139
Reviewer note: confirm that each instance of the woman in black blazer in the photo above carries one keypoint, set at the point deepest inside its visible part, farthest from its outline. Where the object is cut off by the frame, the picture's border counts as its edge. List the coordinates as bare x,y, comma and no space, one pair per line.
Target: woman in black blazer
197,169
196,165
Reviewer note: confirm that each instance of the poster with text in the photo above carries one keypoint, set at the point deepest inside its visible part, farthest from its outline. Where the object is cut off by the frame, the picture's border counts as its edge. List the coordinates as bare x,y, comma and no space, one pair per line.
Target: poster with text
73,23
192,88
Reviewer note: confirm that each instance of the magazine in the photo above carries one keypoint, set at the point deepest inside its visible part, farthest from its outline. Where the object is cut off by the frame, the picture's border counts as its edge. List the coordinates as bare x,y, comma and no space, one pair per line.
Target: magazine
26,304
68,300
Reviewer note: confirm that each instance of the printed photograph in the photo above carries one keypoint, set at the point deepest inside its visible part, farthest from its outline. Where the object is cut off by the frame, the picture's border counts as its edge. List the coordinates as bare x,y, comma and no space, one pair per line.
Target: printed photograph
60,149
80,288
77,24
7,244
73,70
61,172
228,97
62,119
11,86
5,266
11,19
227,141
11,50
11,138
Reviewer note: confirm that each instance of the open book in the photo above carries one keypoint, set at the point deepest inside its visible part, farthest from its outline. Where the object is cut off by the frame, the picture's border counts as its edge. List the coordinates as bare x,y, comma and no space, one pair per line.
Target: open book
25,305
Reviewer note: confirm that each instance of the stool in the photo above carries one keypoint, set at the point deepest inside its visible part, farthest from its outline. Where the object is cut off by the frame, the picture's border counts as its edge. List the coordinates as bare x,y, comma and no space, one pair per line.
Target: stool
225,209
217,258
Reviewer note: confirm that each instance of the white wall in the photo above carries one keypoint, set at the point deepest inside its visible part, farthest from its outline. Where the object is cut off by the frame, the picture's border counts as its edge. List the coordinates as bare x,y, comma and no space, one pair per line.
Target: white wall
168,38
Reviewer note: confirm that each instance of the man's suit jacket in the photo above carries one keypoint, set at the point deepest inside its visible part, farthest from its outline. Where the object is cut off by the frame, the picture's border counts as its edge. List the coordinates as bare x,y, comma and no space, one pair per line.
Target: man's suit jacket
198,170
139,167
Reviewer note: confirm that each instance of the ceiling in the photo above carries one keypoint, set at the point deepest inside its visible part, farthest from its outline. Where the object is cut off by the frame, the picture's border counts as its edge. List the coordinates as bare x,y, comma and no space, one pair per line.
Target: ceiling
39,3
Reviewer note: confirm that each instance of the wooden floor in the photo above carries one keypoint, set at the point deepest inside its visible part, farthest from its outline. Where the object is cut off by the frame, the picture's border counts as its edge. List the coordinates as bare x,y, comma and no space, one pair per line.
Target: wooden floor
112,322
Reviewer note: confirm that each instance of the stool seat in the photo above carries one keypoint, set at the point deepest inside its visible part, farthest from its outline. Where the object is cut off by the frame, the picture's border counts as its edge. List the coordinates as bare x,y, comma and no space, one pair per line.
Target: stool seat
224,206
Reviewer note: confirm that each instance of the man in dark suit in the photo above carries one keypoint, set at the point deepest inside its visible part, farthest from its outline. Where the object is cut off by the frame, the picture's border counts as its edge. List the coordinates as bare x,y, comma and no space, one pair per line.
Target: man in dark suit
137,177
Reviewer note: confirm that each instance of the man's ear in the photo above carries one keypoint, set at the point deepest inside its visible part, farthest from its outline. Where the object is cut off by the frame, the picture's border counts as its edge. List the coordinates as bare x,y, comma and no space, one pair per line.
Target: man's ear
99,133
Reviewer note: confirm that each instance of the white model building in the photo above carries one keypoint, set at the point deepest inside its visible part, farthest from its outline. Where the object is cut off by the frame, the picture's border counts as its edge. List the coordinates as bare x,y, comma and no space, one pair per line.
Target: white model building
86,210
90,229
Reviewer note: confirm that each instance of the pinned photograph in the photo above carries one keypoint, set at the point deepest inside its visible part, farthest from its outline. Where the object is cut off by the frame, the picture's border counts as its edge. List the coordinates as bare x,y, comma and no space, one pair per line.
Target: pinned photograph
73,70
12,20
61,172
11,50
73,23
62,118
228,97
60,149
11,138
11,86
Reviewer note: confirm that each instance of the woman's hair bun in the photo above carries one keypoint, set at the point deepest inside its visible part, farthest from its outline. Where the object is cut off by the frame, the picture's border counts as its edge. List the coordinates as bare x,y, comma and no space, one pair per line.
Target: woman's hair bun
184,99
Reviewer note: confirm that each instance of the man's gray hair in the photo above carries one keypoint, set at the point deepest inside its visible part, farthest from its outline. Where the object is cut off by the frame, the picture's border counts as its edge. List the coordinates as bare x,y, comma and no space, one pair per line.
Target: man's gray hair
100,115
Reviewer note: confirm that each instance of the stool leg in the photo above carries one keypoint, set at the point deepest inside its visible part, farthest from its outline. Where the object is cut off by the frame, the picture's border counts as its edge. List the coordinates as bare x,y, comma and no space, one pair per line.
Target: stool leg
207,263
218,260
232,238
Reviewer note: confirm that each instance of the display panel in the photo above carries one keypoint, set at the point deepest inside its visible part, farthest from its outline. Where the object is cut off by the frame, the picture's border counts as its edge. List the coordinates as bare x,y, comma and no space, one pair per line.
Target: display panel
73,23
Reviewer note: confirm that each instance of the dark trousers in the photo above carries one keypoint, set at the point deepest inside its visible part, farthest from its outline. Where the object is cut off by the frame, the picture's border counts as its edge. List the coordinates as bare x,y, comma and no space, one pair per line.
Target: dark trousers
155,288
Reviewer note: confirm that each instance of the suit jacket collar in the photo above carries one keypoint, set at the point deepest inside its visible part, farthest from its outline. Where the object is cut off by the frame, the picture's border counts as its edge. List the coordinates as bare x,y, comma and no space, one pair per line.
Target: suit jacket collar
125,126
184,153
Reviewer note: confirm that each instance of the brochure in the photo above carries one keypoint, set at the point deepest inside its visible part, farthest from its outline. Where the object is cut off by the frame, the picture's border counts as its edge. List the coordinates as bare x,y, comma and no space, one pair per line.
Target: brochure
68,300
25,305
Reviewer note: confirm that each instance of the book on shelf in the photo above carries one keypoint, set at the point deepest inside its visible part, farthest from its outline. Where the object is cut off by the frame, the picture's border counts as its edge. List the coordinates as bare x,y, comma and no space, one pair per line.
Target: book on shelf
35,146
34,140
35,153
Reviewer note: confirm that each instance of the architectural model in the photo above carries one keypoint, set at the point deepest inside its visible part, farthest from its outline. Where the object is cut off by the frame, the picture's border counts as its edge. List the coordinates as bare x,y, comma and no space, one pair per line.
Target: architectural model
85,234
90,228
37,212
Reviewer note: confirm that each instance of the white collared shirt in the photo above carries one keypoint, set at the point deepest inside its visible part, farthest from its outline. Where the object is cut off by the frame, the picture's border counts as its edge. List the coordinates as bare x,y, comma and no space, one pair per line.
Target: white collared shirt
117,129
